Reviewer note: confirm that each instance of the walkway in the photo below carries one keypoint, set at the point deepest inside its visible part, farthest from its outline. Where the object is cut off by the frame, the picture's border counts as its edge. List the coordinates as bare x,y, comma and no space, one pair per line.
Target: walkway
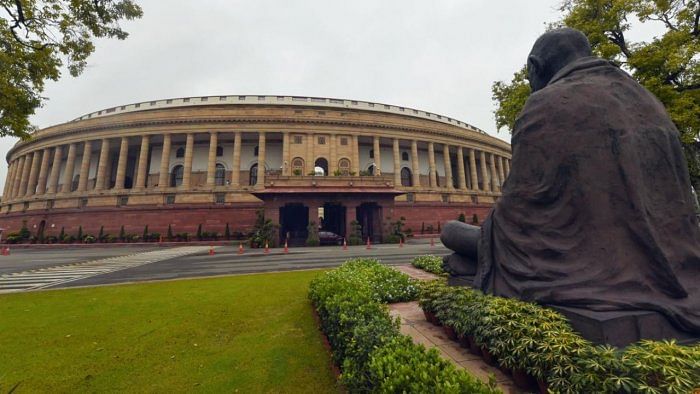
58,275
414,325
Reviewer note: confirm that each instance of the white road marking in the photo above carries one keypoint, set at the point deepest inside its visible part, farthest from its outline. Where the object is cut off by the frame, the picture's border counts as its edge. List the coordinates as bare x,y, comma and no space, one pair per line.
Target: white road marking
52,276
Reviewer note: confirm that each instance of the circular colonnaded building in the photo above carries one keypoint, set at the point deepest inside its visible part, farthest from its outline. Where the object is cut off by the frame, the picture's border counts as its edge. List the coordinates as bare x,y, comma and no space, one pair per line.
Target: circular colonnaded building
219,159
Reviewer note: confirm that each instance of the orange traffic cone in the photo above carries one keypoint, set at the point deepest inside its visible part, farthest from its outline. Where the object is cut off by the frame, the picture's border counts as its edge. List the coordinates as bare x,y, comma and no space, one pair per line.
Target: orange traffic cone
369,244
7,251
240,248
345,244
211,250
267,249
286,247
432,242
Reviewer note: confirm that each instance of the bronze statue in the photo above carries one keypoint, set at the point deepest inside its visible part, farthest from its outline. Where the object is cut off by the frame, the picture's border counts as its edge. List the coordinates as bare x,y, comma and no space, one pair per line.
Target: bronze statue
597,211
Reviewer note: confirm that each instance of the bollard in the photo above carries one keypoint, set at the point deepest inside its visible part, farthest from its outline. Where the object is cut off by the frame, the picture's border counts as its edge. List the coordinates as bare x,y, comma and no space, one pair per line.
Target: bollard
267,249
240,248
211,250
345,244
286,247
369,244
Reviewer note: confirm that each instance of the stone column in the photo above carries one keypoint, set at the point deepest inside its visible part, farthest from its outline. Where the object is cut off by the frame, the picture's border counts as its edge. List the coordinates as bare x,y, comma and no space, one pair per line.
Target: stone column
163,180
33,174
484,171
8,181
355,155
472,170
17,182
495,183
377,157
431,163
11,191
397,163
350,216
260,184
84,176
501,172
415,164
55,169
121,163
286,160
68,171
310,159
43,172
102,165
448,167
187,168
333,162
236,162
142,171
211,163
460,169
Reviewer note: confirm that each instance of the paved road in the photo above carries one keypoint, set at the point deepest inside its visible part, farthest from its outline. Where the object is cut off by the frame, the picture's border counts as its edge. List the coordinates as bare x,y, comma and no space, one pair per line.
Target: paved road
226,261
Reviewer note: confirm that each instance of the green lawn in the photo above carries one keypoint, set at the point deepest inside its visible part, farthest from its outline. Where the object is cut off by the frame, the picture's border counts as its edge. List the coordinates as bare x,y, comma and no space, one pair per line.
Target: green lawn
251,333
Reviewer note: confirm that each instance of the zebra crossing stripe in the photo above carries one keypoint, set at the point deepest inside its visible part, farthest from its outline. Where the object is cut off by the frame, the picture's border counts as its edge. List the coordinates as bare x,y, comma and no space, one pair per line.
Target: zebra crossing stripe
53,276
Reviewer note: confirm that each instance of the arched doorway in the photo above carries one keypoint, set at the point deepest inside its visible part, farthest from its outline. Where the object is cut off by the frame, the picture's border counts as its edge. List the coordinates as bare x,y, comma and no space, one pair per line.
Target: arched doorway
176,175
220,175
344,167
253,175
298,166
406,178
322,163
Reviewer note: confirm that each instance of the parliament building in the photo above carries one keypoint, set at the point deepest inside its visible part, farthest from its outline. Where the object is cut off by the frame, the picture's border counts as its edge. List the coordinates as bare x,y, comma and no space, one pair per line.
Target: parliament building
217,160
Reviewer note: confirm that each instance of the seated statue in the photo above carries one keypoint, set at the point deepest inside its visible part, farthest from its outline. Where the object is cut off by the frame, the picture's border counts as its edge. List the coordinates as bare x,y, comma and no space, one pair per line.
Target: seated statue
597,211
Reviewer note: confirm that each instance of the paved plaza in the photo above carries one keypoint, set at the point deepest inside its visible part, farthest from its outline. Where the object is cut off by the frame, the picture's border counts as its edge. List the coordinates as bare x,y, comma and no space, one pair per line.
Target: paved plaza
27,269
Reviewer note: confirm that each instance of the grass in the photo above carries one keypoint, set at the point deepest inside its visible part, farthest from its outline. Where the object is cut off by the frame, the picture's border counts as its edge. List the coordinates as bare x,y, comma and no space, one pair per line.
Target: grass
252,333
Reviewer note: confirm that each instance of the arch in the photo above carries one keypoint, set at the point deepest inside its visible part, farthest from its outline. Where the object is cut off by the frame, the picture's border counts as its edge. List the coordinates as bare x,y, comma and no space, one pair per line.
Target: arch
406,177
404,156
344,166
220,175
176,175
321,162
253,175
297,166
219,151
180,153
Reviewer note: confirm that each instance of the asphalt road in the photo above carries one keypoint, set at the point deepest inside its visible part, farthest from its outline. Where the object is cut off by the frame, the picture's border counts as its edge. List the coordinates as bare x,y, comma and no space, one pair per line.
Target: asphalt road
226,261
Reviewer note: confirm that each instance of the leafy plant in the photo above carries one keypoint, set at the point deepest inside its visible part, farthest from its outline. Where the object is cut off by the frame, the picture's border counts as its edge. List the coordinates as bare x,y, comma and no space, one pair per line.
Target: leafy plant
145,235
355,236
429,263
170,233
263,230
462,218
199,232
227,233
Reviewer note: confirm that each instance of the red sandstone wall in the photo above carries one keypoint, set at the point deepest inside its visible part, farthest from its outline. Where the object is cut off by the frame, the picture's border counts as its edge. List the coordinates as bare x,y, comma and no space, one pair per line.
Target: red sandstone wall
431,213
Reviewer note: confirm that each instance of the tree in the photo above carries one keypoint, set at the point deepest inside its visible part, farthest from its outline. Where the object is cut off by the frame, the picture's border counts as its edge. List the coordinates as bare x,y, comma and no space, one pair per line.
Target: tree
668,65
38,37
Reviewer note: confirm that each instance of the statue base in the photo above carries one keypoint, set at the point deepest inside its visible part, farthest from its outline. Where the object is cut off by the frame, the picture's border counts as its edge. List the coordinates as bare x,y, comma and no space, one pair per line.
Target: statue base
622,328
463,281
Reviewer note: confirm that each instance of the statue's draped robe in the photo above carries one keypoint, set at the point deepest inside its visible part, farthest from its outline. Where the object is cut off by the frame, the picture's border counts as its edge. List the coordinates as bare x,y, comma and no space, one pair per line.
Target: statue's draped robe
597,209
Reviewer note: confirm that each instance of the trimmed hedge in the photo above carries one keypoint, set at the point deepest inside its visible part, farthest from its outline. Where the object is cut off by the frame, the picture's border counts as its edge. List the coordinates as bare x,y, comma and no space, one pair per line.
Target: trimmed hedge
366,343
429,263
539,341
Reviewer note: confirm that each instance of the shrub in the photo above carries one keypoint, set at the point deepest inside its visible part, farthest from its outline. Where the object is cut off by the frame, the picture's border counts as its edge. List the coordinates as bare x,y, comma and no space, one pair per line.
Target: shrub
366,342
89,239
199,232
355,237
80,233
296,171
145,233
24,233
154,236
227,233
429,263
170,233
462,218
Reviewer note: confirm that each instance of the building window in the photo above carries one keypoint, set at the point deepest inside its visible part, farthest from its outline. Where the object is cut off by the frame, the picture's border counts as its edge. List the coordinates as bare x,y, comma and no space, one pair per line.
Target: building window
219,151
298,166
410,197
256,150
296,139
219,198
404,156
82,203
343,141
180,152
253,175
371,153
220,175
321,140
344,167
169,199
176,175
122,201
406,178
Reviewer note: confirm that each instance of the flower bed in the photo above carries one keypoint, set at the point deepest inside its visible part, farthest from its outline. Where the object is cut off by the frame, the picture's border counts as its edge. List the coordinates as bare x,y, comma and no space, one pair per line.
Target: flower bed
366,343
534,343
429,263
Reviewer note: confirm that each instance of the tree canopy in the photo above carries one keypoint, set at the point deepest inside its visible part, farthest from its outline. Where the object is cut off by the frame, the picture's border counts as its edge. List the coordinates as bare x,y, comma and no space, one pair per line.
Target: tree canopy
668,65
40,37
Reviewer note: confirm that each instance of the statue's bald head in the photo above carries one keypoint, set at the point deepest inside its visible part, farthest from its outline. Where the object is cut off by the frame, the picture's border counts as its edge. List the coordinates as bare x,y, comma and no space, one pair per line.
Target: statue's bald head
552,51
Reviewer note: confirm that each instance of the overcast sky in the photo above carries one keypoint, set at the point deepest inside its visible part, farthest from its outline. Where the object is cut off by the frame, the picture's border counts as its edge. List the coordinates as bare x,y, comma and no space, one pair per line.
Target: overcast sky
439,56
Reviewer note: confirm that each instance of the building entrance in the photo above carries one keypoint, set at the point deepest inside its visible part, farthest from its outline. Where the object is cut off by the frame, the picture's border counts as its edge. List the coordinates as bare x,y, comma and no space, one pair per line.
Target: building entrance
294,219
369,215
334,218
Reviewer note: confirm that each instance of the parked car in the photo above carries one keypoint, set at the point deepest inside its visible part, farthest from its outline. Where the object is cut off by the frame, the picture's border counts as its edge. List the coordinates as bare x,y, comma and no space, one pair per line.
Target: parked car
329,238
